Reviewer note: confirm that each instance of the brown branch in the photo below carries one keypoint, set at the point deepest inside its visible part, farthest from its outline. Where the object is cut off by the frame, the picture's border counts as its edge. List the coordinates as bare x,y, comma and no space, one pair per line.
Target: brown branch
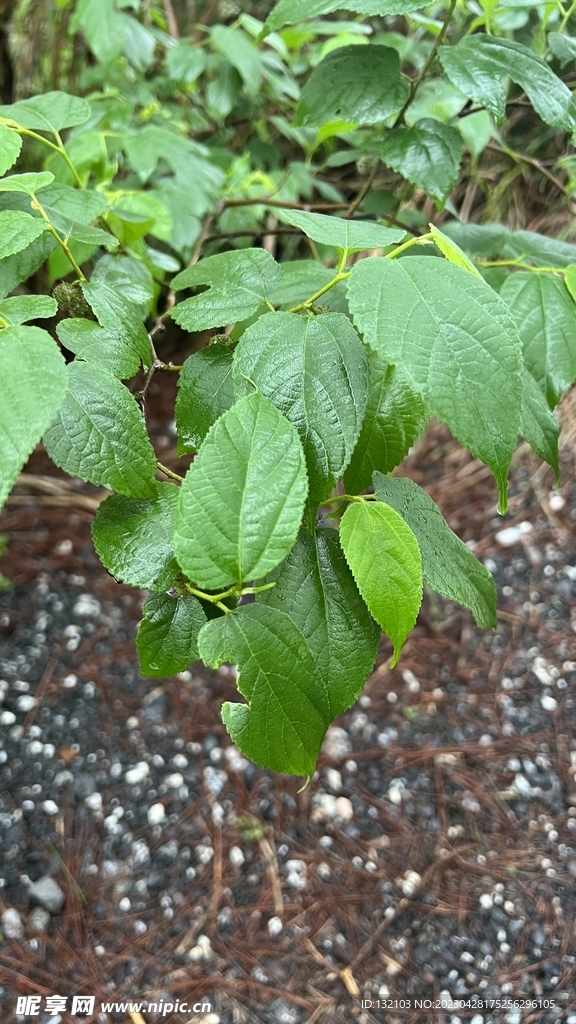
173,29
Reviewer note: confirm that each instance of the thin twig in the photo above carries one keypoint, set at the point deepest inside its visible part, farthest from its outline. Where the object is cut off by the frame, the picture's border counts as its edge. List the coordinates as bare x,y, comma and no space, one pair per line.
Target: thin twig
171,21
522,158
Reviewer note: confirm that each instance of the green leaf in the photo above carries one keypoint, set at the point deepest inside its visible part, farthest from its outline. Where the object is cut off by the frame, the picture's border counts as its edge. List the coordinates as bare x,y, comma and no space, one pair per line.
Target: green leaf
10,146
128,276
205,392
385,560
315,370
133,539
119,317
33,375
562,46
570,280
492,240
237,47
284,722
242,500
50,112
303,278
17,230
457,343
79,205
353,235
185,62
448,566
103,26
546,317
238,282
100,435
395,417
453,252
359,84
289,12
21,308
428,154
28,183
538,425
167,638
479,64
19,267
90,342
315,587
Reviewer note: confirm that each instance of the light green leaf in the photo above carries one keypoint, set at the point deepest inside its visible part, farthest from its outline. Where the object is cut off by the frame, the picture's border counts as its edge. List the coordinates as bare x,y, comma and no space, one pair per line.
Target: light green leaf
358,84
353,235
289,12
167,637
119,317
103,26
453,252
479,64
17,231
33,375
546,317
562,46
315,370
205,392
448,566
28,183
72,230
236,46
19,267
538,425
283,724
238,283
303,278
185,62
242,500
476,129
100,435
428,154
315,587
457,343
81,205
128,276
385,560
21,308
50,112
10,146
570,280
133,539
395,417
90,342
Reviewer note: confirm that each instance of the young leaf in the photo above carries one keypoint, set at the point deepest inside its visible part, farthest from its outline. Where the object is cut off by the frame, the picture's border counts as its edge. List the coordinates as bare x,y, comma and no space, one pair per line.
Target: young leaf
119,317
10,146
395,417
455,340
546,316
283,724
385,560
27,183
479,64
17,231
448,566
538,425
167,637
453,252
205,392
238,283
315,587
21,308
289,12
428,154
359,84
85,338
353,235
33,375
48,113
315,370
242,500
100,435
133,539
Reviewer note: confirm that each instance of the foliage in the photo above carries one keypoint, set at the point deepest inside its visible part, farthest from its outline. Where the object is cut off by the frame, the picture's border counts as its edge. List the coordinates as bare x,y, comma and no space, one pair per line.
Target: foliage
231,181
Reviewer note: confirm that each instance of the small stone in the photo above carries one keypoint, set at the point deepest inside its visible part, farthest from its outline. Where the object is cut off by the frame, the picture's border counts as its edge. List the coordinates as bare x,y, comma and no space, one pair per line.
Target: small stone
137,774
512,534
486,901
337,742
124,905
49,807
548,703
94,802
344,808
556,502
410,883
334,780
275,926
39,919
202,950
236,856
87,606
7,718
394,795
47,893
12,924
156,814
26,702
174,781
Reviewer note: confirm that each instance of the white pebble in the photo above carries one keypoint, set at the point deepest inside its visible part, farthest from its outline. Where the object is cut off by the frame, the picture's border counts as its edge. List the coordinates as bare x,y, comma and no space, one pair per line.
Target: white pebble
137,774
486,901
512,534
94,802
236,856
275,926
548,703
70,681
410,883
334,779
556,502
132,722
337,742
394,795
12,924
87,606
7,718
26,702
202,950
410,680
124,905
156,814
174,781
49,807
344,809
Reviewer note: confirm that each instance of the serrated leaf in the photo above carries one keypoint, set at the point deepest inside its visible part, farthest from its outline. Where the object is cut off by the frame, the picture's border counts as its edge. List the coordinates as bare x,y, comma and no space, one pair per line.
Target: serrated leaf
33,375
448,566
27,183
395,417
479,64
79,205
21,308
18,268
457,343
303,278
128,276
10,146
385,560
242,499
453,252
315,370
315,587
546,316
358,84
238,282
353,235
17,231
133,539
538,425
90,342
283,724
85,233
100,435
205,392
167,637
119,317
50,112
289,12
428,154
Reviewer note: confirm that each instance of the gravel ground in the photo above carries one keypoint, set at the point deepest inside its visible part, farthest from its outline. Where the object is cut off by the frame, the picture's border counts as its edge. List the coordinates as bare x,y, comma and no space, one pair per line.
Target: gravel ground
432,857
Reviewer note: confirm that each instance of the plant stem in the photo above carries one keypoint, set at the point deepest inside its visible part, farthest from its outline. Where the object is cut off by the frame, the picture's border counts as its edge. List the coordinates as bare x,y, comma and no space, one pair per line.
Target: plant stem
35,205
522,266
46,142
424,239
431,58
321,291
169,473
